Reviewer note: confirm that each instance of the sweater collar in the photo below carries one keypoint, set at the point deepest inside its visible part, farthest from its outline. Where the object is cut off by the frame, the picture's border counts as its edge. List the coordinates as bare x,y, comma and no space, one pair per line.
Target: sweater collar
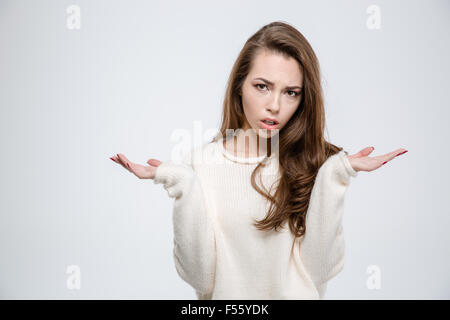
240,159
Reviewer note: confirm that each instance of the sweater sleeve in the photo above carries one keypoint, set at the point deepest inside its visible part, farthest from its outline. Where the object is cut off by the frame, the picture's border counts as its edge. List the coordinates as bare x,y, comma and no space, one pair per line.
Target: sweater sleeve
194,249
322,250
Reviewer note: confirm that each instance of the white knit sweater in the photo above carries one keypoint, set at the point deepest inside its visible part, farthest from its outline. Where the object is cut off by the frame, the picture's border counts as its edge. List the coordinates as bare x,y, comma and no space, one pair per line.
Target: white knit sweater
222,255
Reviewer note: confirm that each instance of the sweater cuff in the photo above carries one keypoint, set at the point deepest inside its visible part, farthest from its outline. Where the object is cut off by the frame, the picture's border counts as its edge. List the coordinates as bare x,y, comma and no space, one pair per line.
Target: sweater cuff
348,167
171,175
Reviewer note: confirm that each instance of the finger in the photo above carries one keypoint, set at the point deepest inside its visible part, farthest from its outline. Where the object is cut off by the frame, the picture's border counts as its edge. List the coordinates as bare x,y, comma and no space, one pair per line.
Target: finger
154,162
364,152
123,161
114,159
391,155
117,160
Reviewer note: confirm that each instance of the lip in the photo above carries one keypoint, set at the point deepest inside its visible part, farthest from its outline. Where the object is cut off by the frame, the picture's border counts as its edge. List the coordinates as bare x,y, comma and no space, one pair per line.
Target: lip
268,126
271,119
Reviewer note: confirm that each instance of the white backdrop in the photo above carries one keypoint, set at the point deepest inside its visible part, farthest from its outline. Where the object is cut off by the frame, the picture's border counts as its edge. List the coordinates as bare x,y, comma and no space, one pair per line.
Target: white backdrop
136,71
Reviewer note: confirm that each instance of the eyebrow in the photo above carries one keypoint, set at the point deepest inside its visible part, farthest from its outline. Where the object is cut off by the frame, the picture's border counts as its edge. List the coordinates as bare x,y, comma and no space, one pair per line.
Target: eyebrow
271,83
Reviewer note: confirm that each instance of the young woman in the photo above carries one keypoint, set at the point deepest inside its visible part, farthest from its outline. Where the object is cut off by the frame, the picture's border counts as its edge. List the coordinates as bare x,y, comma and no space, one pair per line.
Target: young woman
234,238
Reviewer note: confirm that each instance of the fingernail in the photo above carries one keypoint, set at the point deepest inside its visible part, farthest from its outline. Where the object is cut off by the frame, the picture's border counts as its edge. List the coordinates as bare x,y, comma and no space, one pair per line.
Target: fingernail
402,153
112,158
384,162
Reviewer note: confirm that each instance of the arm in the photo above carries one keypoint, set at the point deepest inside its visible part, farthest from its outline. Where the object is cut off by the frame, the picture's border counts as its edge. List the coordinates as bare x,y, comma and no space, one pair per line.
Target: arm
194,241
322,249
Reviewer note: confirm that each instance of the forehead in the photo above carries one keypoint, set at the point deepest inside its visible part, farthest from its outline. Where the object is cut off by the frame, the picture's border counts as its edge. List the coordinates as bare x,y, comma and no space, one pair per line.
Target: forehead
277,68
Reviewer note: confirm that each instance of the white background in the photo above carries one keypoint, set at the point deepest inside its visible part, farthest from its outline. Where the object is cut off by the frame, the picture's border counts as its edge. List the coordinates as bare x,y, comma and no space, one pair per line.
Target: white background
137,71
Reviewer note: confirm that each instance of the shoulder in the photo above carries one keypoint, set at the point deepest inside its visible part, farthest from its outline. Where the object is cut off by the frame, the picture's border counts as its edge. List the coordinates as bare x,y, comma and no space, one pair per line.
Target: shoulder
333,159
198,153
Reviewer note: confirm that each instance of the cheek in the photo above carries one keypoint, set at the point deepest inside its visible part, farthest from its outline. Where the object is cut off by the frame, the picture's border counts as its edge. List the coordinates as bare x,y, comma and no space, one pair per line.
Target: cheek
252,105
289,113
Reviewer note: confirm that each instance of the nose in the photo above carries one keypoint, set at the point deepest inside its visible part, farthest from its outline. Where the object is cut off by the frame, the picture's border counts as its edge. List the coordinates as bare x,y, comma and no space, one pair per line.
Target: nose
274,105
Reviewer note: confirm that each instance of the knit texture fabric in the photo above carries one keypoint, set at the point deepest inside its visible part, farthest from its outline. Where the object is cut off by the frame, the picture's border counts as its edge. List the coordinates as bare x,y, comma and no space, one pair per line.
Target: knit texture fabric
219,252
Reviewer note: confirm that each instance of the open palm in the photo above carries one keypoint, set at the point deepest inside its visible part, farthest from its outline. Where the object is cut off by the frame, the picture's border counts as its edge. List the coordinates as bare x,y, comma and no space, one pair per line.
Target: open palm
362,162
139,170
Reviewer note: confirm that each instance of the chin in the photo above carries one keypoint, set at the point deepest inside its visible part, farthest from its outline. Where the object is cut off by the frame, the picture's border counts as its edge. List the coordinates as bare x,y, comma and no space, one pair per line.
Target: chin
265,133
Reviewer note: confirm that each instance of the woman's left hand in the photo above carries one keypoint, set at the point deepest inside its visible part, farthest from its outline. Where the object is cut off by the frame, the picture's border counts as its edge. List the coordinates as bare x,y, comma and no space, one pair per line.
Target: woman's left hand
362,162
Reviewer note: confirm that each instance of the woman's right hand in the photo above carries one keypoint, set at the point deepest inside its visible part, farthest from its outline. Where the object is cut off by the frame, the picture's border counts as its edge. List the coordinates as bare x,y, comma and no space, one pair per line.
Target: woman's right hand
140,171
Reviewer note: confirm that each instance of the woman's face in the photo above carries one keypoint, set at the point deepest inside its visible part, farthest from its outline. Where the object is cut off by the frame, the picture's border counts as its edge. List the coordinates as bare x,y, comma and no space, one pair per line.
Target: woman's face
272,89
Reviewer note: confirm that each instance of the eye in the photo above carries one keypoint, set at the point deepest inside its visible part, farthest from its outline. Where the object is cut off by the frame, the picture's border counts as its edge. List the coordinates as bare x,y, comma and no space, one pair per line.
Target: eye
295,94
260,84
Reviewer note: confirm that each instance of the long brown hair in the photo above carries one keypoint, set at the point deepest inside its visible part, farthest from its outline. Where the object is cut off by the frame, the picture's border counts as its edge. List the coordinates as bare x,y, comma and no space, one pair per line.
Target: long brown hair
302,146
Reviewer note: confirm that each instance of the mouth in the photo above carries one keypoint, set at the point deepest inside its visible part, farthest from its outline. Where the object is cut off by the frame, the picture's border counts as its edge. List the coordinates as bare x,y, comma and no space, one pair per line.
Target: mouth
268,124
